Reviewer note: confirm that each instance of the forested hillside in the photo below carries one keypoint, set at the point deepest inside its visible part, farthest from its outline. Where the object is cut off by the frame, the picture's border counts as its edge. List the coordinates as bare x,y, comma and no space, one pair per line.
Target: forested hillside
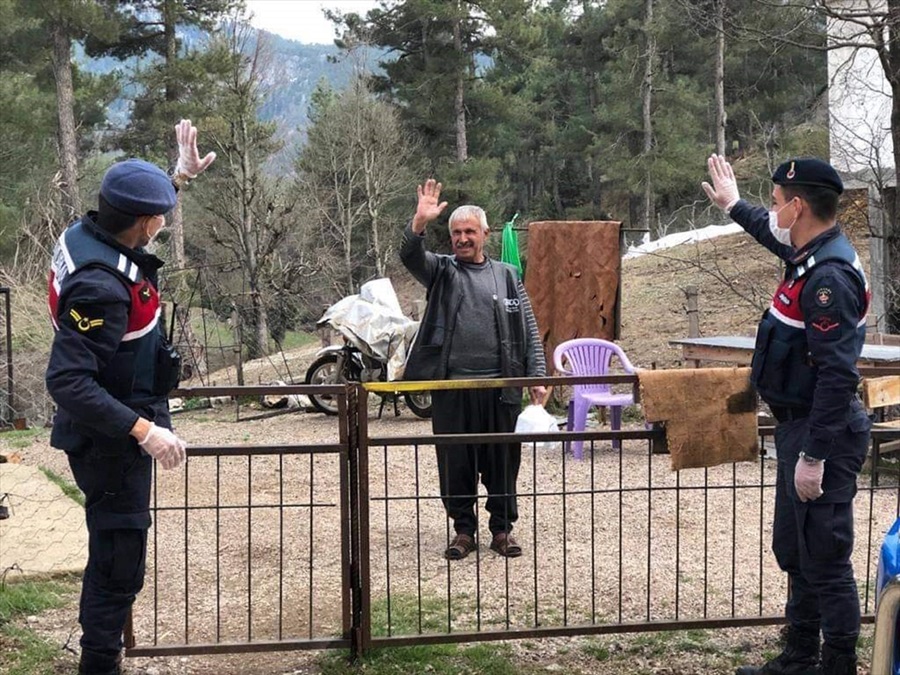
552,110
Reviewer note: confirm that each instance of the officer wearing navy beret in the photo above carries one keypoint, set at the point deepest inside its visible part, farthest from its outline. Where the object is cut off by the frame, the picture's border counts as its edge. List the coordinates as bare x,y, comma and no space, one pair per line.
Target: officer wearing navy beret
110,372
804,368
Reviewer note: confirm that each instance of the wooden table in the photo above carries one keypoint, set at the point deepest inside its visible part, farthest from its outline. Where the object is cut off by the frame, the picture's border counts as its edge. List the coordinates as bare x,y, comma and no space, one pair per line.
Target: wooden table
738,350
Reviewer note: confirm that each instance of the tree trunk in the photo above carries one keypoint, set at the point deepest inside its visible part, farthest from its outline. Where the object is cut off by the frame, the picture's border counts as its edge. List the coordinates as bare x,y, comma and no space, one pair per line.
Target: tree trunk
647,107
260,341
890,229
890,61
459,105
65,104
172,95
720,77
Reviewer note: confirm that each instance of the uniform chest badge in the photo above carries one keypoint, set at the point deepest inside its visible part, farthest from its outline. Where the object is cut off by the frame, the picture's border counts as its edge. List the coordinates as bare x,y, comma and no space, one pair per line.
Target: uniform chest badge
823,297
83,323
144,294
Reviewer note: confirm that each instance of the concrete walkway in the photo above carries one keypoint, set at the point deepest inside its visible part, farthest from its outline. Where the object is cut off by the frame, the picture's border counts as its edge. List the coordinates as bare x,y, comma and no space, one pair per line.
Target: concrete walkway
45,532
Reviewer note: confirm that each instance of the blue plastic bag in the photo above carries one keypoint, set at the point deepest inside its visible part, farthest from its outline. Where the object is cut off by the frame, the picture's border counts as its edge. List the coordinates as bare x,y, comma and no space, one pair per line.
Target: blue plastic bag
888,568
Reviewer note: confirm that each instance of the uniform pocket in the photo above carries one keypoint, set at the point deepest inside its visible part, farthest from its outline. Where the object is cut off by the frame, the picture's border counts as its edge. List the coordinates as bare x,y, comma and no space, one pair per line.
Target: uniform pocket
859,423
763,335
126,572
828,530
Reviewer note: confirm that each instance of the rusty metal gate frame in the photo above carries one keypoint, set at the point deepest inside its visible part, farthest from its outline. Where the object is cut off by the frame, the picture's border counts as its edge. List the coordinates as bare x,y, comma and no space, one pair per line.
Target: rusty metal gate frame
366,641
348,506
356,580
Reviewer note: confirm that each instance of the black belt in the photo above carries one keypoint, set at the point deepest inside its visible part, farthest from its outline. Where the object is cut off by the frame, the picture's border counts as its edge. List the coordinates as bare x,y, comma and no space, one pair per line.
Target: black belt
783,414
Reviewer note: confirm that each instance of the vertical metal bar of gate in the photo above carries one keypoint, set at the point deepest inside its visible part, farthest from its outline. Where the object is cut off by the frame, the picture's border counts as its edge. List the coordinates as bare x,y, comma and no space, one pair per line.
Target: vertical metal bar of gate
365,594
344,432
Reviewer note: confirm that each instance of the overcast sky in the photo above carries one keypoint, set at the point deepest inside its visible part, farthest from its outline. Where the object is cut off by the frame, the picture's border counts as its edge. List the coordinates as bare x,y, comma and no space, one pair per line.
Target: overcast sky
302,19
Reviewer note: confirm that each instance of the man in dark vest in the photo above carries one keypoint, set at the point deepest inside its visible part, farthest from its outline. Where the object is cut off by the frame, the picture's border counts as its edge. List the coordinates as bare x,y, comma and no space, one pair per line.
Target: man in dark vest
804,368
110,372
478,324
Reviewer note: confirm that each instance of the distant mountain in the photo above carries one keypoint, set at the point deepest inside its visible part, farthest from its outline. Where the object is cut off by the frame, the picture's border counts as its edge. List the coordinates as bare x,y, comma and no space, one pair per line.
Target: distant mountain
294,70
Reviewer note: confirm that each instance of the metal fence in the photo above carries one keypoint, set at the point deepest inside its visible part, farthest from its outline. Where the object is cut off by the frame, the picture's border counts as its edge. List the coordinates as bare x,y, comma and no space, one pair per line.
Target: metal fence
232,570
341,544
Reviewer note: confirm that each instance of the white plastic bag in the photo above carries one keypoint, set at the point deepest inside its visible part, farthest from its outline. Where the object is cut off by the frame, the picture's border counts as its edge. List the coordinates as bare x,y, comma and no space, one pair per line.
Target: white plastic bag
535,419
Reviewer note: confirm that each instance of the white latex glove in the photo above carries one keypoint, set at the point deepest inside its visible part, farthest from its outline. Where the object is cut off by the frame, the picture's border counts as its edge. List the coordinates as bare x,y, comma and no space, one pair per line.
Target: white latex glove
164,446
189,162
724,190
808,479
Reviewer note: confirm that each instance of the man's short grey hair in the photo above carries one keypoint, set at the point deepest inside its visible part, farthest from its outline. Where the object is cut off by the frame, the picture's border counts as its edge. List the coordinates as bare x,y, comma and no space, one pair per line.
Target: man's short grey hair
469,212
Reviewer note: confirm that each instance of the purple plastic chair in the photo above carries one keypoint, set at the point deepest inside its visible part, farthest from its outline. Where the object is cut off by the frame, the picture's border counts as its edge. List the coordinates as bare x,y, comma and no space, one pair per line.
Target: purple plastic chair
591,356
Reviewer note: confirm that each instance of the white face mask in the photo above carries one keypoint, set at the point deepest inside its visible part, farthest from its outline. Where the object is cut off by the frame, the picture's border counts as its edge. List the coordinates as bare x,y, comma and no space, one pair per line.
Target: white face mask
781,234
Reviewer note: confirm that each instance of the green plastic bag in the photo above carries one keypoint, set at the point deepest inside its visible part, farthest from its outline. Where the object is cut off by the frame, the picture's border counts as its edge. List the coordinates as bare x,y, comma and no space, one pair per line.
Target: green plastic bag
509,253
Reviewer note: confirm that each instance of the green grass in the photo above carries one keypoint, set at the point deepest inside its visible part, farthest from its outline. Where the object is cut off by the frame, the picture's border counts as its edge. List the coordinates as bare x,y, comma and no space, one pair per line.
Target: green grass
296,339
220,333
29,654
660,644
20,438
481,659
596,650
69,489
30,597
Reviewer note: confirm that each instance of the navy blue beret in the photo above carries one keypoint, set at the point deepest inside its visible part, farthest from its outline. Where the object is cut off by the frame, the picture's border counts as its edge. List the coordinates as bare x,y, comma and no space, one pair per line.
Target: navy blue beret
808,171
138,188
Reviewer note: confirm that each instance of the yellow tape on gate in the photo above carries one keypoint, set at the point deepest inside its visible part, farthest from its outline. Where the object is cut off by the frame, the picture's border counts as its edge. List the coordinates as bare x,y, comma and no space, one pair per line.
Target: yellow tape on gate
428,385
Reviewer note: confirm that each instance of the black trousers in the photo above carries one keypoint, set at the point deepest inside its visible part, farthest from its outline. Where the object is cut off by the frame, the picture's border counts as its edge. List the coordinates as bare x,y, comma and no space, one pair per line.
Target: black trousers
459,465
117,499
813,540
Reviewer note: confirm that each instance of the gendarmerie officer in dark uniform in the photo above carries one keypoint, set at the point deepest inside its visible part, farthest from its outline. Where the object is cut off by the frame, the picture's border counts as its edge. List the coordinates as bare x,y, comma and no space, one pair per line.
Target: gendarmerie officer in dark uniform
804,368
110,372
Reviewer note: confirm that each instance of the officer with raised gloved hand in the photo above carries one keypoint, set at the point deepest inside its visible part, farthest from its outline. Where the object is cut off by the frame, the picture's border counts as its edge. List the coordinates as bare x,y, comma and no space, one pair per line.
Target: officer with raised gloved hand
804,367
110,372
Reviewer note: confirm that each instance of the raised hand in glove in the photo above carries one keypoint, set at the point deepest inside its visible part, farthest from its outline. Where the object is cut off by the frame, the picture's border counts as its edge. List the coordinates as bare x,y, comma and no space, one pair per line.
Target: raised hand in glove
724,190
808,479
189,163
164,446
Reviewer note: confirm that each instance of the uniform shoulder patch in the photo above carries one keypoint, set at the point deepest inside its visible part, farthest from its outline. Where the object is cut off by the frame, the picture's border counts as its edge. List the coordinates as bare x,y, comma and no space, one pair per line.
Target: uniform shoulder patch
824,296
84,323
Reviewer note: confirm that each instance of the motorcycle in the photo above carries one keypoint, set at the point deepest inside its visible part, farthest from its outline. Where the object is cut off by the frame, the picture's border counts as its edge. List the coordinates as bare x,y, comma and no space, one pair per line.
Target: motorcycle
339,364
376,336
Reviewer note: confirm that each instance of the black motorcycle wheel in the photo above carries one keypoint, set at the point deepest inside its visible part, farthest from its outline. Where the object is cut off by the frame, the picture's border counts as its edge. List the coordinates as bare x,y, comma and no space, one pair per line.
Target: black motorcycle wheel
419,403
324,371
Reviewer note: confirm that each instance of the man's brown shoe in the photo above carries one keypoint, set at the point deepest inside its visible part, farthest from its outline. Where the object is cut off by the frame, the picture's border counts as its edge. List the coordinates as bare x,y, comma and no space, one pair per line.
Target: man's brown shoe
505,545
461,546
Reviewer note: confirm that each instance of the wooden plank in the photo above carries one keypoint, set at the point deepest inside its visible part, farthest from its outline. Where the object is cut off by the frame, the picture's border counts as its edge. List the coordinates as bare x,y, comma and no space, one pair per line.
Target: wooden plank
893,424
879,392
889,447
709,353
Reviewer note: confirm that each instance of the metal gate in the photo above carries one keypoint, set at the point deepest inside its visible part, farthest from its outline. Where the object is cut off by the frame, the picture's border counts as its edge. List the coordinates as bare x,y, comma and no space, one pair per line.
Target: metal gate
613,543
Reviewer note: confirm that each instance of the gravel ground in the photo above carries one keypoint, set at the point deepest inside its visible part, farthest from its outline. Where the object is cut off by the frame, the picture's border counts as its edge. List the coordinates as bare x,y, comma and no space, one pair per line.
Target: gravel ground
278,573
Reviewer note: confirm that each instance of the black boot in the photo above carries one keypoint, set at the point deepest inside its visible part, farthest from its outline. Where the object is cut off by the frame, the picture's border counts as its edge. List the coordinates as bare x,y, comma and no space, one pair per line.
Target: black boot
800,657
836,662
96,664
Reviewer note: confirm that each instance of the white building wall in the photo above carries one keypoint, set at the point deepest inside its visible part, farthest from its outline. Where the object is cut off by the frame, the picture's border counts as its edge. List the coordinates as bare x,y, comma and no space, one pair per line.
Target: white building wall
859,98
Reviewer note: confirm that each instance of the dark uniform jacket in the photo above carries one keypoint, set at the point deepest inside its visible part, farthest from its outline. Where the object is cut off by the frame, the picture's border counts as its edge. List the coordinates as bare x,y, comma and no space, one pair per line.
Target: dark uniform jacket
811,336
110,360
